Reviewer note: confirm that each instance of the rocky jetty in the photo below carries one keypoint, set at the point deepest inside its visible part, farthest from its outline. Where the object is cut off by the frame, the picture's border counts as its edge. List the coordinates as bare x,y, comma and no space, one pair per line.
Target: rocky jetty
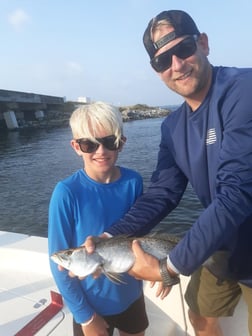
140,111
129,113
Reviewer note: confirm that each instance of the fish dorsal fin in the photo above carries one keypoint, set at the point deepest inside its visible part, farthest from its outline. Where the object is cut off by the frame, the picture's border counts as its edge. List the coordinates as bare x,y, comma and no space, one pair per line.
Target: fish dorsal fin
164,236
96,239
123,236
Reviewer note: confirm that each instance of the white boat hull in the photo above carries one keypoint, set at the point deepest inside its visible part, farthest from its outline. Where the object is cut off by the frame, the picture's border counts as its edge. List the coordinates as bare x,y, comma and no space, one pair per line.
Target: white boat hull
25,291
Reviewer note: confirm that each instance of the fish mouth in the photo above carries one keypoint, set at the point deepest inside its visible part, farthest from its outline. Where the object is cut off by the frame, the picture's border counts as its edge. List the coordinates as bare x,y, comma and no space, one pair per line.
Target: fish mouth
60,258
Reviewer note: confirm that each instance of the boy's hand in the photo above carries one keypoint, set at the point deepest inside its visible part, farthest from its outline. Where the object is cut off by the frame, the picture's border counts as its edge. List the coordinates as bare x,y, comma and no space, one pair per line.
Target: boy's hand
90,247
90,244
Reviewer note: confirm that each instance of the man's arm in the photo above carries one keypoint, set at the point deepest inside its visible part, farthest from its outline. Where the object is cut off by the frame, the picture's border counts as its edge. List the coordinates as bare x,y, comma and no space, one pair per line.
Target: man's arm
163,195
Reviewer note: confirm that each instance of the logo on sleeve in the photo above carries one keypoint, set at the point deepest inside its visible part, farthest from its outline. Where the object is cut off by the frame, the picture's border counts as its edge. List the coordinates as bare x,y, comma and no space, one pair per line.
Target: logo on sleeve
211,136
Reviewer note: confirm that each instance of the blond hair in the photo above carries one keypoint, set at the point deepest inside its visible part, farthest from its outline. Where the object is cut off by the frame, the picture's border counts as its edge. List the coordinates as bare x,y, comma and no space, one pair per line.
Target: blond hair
87,120
159,26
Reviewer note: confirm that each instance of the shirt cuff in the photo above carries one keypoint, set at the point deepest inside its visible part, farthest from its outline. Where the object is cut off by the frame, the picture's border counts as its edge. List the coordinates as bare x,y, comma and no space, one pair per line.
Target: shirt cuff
108,234
171,266
89,321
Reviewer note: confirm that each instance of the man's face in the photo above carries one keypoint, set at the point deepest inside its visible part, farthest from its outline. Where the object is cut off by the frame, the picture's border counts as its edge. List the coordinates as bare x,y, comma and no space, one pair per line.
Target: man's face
189,77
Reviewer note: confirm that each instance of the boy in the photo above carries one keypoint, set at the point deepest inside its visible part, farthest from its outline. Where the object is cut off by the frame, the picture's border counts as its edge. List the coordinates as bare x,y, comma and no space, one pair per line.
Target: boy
87,203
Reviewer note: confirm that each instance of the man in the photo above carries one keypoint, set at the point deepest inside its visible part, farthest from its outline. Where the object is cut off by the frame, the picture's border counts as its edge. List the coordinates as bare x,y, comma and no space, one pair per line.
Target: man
206,141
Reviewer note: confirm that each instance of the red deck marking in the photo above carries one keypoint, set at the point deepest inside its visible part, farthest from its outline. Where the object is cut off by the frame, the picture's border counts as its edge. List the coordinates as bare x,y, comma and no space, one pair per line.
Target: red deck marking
32,327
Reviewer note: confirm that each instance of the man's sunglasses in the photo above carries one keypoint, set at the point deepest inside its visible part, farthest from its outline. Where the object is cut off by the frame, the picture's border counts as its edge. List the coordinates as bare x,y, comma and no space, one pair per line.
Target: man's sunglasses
109,142
183,49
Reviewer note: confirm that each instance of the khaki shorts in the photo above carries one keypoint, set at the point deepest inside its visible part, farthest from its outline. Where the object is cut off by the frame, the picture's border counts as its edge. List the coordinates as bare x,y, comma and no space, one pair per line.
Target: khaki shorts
207,297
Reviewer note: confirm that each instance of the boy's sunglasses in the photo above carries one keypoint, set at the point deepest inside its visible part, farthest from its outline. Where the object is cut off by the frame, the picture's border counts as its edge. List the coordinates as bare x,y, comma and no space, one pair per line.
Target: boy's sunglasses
109,142
183,49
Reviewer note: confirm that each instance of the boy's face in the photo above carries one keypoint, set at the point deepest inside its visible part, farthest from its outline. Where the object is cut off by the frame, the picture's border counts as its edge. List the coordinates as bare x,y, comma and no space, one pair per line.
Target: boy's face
99,164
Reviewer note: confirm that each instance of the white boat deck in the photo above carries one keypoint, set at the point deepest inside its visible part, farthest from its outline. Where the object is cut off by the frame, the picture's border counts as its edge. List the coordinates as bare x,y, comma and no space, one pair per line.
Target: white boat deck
25,291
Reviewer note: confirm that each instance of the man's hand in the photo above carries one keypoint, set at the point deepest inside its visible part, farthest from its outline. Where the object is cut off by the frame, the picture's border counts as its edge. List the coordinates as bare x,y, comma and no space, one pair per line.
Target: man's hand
162,291
146,267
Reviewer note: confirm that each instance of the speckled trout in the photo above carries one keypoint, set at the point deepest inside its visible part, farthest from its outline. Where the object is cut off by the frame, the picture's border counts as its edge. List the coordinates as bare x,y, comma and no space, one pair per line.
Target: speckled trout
113,256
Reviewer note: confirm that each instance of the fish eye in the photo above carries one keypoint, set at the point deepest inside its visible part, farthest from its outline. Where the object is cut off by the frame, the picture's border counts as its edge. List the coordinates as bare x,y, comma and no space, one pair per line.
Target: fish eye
64,256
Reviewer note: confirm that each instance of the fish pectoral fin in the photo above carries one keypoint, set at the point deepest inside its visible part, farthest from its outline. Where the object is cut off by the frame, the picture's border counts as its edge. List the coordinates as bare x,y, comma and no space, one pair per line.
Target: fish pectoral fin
115,278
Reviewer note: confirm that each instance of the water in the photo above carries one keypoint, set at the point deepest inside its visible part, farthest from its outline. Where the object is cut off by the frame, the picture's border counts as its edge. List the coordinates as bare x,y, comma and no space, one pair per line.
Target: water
32,162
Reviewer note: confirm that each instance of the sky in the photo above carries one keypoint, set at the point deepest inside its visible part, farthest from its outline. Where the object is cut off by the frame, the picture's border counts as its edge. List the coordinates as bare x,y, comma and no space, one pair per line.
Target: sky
93,48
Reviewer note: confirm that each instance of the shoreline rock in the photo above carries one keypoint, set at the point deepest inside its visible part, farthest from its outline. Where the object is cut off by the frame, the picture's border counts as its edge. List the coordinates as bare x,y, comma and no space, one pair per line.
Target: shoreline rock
138,114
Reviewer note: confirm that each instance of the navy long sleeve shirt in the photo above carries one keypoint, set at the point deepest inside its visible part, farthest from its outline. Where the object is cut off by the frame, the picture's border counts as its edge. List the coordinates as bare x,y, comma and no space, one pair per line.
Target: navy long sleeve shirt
212,149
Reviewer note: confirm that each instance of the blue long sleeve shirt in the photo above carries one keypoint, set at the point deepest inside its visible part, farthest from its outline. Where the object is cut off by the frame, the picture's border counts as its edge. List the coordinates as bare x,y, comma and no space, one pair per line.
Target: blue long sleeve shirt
80,207
212,149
